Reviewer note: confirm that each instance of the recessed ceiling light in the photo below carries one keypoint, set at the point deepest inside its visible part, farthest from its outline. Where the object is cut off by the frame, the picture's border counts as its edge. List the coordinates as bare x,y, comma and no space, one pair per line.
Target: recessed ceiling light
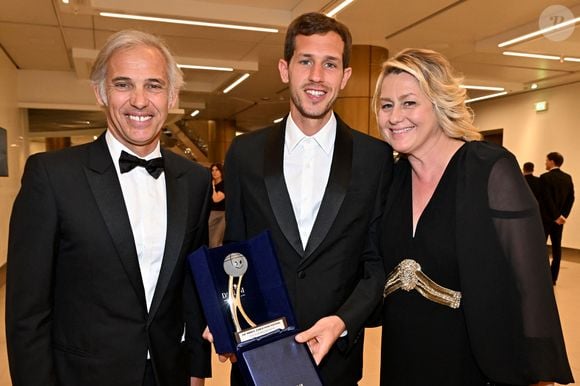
210,68
539,32
534,86
237,82
188,22
338,8
486,88
571,59
531,55
486,97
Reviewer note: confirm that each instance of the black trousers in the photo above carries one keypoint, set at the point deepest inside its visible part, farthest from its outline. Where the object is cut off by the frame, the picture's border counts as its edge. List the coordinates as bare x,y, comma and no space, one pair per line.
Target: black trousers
149,377
554,231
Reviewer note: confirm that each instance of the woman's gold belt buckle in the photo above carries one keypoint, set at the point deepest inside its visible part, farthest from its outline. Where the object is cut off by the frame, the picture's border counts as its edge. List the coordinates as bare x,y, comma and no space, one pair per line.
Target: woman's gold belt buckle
408,276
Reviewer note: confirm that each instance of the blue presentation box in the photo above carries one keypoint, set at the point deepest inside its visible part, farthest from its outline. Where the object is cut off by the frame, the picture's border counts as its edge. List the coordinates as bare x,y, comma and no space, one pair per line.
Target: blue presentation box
264,338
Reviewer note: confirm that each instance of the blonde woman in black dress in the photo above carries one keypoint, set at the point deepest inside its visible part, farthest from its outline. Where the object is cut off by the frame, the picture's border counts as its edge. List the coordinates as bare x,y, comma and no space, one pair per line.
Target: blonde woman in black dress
468,299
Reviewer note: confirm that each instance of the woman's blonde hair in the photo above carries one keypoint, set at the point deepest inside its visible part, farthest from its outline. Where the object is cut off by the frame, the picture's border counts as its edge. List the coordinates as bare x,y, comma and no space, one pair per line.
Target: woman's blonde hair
437,79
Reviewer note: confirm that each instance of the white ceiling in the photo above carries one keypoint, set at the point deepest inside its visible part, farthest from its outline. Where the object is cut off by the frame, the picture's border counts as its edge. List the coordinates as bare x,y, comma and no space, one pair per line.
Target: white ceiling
53,44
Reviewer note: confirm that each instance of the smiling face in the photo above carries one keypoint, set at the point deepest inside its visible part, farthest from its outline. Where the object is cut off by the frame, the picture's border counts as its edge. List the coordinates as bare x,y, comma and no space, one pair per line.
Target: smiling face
315,75
138,97
406,117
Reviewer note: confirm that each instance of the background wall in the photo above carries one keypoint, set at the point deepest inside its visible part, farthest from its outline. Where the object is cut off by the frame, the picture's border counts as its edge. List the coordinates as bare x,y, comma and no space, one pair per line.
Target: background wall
11,120
530,135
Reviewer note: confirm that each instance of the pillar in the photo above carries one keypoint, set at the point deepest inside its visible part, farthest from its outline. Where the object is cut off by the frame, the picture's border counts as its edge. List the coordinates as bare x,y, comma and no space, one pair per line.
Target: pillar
56,143
220,136
353,104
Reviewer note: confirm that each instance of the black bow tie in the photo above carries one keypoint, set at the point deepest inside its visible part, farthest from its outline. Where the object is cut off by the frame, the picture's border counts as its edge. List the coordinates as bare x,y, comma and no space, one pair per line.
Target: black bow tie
128,162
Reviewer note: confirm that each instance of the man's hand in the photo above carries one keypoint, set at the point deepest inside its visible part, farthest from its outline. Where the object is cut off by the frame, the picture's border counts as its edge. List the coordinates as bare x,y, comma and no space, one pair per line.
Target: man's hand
561,220
222,357
322,336
197,381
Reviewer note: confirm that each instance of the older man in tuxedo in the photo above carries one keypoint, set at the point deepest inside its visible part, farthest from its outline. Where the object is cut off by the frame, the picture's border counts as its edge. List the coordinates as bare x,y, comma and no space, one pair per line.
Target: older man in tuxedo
98,293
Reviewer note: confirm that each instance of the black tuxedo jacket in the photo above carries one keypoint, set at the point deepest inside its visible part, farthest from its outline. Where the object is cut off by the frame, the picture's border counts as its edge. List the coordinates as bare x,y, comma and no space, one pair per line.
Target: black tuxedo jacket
557,195
75,310
534,184
339,272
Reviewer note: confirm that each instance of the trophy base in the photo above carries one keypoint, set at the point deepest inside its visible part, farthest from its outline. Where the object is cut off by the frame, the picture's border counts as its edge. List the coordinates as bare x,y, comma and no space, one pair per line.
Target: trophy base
281,362
261,330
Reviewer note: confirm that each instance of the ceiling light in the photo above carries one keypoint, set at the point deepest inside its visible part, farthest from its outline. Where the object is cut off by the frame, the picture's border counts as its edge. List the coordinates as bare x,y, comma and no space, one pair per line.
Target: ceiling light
486,88
237,82
529,55
187,22
194,113
65,1
571,59
534,86
338,8
486,97
278,120
539,32
210,68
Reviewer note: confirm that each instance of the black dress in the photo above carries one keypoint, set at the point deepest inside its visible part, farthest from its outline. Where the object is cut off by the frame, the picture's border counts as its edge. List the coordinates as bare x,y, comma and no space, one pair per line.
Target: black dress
423,342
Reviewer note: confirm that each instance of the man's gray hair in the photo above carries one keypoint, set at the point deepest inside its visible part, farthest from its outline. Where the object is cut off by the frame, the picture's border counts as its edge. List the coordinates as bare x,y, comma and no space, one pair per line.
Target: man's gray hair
129,39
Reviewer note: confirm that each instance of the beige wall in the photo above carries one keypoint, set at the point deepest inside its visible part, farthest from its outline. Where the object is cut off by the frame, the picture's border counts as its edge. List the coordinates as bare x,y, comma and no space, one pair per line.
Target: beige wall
530,135
10,119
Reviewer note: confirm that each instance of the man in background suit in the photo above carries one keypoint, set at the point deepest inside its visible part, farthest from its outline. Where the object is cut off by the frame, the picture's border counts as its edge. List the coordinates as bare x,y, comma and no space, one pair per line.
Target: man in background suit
98,293
557,198
318,186
533,181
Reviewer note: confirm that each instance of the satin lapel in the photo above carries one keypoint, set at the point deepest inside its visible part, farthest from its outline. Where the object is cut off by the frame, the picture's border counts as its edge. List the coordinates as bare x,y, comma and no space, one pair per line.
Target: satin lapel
276,186
338,181
177,196
103,180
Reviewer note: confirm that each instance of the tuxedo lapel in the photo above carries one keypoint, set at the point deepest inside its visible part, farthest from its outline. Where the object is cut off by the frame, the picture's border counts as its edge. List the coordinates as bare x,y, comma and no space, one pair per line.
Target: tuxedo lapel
276,186
104,183
338,181
177,196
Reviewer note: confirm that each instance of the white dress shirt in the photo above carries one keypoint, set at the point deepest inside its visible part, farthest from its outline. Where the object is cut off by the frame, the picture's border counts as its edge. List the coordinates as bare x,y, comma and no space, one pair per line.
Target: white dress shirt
146,201
307,162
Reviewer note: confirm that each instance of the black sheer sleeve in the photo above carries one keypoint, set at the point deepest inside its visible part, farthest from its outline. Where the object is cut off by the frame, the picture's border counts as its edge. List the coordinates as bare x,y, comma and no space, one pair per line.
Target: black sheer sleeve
517,221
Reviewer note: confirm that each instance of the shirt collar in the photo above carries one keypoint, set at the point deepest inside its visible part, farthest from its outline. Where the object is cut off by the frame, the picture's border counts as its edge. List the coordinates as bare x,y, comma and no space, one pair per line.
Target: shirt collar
116,147
324,137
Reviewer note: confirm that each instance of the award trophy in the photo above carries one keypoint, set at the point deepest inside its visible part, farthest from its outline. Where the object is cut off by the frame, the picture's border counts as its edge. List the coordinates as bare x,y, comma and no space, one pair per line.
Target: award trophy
235,266
249,313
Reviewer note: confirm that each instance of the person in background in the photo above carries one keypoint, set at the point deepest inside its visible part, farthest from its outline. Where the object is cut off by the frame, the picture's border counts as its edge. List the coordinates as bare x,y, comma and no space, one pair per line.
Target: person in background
533,181
468,297
557,198
217,217
318,186
98,292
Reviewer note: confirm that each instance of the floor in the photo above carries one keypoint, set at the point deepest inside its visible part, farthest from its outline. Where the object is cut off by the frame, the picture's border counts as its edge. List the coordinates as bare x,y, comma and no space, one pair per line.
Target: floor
567,292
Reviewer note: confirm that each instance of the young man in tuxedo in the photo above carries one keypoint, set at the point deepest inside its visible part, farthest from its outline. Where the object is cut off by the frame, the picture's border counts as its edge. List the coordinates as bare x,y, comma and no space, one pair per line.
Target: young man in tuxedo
98,292
318,186
557,198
